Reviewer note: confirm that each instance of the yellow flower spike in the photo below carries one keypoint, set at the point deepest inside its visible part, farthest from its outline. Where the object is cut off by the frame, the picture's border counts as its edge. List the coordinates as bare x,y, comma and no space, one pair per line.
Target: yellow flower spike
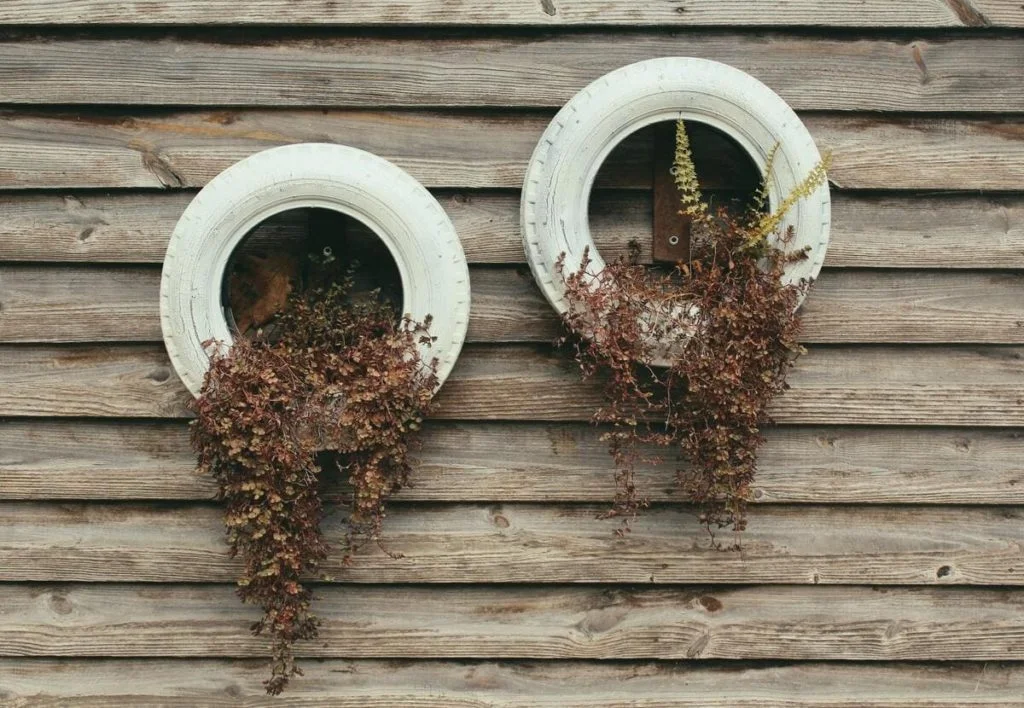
761,196
769,223
685,174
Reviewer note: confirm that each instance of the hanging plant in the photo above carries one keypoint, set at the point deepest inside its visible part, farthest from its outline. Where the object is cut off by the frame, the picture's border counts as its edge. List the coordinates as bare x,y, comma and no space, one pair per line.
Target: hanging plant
339,374
723,329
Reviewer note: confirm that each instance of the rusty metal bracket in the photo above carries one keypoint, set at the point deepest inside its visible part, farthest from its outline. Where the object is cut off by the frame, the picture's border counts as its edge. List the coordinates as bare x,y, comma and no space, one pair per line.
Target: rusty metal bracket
671,228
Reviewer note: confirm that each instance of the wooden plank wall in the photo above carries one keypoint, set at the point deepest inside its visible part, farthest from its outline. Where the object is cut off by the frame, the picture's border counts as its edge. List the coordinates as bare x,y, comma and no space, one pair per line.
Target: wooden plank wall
884,563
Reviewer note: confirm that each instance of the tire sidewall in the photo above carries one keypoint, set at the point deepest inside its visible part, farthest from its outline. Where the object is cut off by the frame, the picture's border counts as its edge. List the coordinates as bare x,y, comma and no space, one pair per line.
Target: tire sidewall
563,167
398,209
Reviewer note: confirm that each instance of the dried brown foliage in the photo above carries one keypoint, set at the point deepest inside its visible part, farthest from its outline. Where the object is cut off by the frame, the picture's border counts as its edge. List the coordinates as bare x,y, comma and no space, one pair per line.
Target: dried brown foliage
725,328
340,374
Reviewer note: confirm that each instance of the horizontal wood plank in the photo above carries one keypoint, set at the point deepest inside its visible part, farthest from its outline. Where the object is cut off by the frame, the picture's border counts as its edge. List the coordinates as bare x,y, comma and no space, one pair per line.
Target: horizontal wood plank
811,73
552,462
868,385
832,13
782,623
823,523
537,543
910,385
48,304
460,149
912,231
914,307
372,683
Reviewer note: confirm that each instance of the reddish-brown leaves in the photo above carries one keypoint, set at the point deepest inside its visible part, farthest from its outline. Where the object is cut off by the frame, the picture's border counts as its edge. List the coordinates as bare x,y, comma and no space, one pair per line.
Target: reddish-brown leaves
726,327
339,374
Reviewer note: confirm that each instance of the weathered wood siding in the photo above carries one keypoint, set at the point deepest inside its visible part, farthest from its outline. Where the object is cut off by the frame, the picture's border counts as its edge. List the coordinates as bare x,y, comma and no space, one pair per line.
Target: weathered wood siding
884,563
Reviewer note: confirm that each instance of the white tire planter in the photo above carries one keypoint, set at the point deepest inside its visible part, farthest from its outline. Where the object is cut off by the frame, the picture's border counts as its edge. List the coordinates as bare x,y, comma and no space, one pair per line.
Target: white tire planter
561,172
406,217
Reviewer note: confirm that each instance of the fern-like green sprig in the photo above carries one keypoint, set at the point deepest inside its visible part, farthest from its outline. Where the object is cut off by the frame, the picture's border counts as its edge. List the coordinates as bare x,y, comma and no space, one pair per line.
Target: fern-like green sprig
761,225
761,195
769,223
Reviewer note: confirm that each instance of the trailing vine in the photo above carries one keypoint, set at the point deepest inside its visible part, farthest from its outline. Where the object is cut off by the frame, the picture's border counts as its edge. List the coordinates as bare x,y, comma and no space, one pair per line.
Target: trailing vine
339,373
726,328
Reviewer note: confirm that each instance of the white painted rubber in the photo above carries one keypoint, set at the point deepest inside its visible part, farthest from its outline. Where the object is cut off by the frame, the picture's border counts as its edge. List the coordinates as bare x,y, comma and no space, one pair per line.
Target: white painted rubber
406,217
570,152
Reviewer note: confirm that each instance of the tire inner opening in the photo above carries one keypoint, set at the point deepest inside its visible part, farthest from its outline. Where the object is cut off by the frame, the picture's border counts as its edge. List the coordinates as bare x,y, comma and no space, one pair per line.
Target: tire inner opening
298,250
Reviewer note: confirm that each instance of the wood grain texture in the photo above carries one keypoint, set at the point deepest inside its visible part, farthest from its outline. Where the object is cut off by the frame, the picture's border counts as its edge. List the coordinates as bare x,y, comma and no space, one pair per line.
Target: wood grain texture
91,381
47,304
567,462
537,543
915,307
877,385
360,69
373,683
465,149
115,586
880,385
911,231
831,13
782,623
